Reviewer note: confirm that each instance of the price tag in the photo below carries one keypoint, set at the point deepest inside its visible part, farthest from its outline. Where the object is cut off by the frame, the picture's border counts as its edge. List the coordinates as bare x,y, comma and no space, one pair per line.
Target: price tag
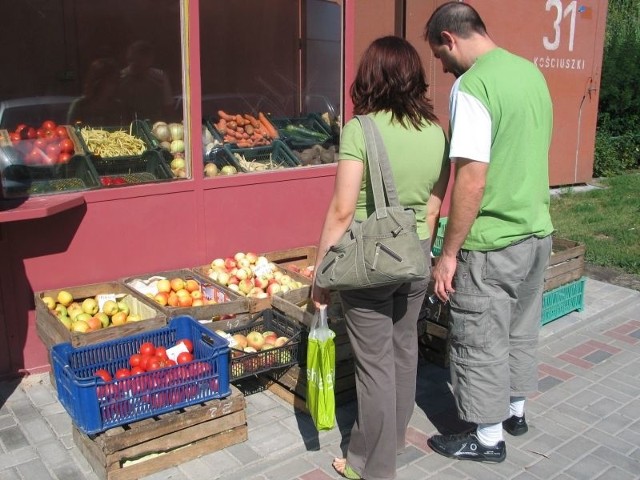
103,297
173,352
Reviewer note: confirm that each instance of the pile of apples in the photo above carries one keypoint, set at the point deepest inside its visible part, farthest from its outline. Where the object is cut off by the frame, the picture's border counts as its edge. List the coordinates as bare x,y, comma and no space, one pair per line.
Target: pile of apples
251,275
180,292
251,344
85,315
304,271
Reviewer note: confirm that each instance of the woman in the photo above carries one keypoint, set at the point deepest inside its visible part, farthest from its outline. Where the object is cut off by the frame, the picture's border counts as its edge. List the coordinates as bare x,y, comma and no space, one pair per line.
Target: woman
99,105
390,86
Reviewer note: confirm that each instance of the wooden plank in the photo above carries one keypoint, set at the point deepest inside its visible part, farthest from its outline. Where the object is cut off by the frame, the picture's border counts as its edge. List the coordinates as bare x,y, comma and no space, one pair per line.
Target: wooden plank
148,429
176,457
564,250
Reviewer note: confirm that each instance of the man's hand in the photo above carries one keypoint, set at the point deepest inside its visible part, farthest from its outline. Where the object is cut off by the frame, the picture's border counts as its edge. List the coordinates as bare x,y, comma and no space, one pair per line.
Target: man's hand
442,274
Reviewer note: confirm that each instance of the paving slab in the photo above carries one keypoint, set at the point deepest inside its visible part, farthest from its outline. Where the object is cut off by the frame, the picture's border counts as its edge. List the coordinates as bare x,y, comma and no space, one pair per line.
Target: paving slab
584,421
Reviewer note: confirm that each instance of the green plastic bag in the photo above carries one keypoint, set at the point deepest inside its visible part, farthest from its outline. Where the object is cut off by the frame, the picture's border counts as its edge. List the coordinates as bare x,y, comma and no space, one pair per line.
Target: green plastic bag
321,372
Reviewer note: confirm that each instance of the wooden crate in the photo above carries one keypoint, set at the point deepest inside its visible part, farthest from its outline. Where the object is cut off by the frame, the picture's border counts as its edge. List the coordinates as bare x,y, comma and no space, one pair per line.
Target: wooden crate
295,260
253,304
433,342
148,446
51,331
566,263
227,302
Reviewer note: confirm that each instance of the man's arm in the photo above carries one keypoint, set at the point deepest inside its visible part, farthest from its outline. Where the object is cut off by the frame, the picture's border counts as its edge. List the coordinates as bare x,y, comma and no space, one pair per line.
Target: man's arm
466,199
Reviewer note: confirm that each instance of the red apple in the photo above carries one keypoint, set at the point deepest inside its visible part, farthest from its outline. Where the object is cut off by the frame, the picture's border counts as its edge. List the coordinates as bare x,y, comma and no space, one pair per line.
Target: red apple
229,263
163,285
192,285
162,298
255,340
177,284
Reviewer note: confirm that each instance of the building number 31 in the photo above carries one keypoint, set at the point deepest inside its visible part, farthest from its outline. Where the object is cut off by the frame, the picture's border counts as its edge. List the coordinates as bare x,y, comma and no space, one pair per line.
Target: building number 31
561,14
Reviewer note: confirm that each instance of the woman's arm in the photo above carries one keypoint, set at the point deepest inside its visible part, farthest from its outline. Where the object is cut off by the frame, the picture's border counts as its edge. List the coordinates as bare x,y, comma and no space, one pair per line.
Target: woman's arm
339,214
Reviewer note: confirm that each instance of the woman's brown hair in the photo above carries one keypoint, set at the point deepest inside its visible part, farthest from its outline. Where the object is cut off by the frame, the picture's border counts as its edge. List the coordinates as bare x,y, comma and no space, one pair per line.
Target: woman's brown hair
391,78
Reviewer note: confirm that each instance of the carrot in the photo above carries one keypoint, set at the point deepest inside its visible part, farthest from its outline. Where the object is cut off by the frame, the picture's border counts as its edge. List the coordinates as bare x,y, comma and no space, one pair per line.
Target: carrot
224,115
244,144
240,121
271,130
255,123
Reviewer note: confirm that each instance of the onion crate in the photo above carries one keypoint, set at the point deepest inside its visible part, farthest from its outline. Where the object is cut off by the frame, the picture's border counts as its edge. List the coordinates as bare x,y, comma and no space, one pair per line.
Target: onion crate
293,351
217,301
95,405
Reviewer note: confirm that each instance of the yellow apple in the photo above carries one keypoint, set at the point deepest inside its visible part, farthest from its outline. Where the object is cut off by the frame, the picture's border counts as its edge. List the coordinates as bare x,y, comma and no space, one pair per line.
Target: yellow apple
104,319
119,318
163,285
80,326
110,307
49,302
123,307
66,321
61,310
65,298
90,306
73,312
134,317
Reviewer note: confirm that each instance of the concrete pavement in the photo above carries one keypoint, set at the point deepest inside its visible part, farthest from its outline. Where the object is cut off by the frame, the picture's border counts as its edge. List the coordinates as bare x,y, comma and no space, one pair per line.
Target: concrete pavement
584,422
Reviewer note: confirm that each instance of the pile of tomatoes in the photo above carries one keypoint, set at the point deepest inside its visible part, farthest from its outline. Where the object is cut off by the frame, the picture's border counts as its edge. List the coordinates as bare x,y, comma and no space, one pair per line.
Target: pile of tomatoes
148,359
130,387
47,144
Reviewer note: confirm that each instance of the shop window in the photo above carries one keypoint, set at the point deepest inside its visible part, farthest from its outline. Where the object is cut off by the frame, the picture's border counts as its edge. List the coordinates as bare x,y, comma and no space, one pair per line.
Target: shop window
270,76
103,71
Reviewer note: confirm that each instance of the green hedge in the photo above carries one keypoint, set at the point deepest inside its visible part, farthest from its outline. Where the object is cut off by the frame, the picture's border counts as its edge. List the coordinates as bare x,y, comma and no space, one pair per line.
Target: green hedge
618,131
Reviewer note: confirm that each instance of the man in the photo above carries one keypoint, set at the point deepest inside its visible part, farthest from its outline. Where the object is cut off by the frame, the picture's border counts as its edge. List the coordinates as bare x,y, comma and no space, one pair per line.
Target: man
497,242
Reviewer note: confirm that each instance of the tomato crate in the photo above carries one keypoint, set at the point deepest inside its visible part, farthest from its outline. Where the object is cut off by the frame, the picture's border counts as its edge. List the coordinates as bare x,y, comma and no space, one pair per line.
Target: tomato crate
95,405
217,301
75,175
269,157
293,351
563,300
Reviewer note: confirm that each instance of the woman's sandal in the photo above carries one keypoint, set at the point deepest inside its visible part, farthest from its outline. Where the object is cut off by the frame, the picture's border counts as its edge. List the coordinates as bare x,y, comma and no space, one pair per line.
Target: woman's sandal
343,468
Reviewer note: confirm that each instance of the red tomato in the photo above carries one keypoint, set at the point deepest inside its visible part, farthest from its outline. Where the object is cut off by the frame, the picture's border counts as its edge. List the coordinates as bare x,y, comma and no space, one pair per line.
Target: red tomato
31,133
21,127
40,143
53,150
137,370
104,375
161,352
61,132
64,157
40,132
49,125
148,348
187,343
15,137
34,157
144,361
134,360
66,145
184,357
170,363
153,364
122,373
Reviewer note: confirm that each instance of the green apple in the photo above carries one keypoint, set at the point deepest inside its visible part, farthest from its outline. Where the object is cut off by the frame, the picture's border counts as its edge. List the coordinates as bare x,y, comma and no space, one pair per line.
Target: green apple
74,311
66,321
123,307
61,310
90,306
82,317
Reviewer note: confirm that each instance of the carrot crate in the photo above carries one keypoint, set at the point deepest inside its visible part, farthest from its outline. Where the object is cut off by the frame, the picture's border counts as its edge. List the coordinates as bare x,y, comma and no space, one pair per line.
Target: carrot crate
142,448
96,405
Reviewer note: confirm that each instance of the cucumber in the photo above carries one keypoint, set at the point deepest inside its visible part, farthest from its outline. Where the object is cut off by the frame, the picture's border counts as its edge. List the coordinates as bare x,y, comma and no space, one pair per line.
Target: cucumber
305,133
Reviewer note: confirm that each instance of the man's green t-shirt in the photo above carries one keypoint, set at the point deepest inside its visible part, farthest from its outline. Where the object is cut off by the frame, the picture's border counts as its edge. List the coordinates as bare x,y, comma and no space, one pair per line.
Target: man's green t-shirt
501,113
416,157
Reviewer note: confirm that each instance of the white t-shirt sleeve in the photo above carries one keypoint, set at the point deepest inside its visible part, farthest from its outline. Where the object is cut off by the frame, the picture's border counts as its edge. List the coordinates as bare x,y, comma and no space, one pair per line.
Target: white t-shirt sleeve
470,127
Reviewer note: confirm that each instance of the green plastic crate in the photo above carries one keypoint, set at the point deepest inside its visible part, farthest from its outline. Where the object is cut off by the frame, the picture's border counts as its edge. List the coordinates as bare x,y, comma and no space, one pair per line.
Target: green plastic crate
277,152
562,300
437,245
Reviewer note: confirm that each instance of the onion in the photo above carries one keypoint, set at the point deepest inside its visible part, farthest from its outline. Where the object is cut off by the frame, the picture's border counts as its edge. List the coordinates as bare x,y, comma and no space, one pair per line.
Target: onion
177,163
210,170
166,145
177,146
161,132
177,131
228,170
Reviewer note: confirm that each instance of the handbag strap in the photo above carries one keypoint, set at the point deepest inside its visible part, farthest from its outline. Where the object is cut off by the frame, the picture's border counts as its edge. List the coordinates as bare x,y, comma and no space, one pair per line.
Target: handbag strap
379,167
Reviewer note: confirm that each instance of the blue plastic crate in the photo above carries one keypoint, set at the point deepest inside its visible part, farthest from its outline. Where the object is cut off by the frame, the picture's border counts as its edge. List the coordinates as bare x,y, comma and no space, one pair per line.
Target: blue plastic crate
95,405
562,300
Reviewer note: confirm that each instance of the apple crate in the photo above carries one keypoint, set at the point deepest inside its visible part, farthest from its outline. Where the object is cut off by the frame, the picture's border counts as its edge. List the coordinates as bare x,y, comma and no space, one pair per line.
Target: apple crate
566,263
255,304
226,301
139,449
298,260
245,364
52,331
95,405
